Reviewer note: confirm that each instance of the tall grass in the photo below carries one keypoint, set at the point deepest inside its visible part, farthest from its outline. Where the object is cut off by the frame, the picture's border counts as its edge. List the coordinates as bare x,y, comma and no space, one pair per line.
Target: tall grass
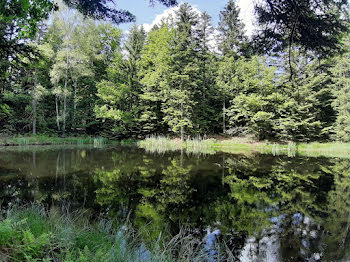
53,140
161,144
200,146
34,234
290,149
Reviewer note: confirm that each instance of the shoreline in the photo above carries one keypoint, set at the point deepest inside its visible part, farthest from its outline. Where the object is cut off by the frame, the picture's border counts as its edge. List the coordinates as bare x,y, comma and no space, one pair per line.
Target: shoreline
207,146
42,140
241,145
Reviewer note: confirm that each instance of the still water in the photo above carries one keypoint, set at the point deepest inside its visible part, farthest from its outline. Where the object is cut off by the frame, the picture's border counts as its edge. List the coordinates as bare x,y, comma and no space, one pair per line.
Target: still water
264,207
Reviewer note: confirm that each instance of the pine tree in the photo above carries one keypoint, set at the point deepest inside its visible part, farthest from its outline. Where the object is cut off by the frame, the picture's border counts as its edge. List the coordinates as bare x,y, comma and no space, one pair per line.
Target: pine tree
133,48
232,40
225,85
232,43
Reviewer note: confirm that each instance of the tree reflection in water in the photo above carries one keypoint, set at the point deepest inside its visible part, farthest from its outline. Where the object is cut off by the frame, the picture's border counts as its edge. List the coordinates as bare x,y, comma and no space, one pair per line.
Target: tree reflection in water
267,208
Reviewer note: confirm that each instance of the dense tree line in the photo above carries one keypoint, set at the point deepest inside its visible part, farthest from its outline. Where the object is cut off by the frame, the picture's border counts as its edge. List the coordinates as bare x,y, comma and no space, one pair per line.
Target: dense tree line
184,77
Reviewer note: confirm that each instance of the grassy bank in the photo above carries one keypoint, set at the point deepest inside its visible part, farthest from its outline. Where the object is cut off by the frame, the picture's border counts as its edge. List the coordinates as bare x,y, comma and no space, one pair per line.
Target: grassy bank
53,140
245,145
34,234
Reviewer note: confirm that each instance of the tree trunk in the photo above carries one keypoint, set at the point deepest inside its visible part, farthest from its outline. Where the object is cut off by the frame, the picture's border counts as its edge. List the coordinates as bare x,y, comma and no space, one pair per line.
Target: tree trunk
57,114
65,96
35,98
34,102
182,134
182,127
75,105
224,117
64,113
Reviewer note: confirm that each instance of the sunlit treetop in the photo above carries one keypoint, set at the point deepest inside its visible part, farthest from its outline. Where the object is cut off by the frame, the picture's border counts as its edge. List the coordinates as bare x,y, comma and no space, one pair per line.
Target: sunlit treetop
25,14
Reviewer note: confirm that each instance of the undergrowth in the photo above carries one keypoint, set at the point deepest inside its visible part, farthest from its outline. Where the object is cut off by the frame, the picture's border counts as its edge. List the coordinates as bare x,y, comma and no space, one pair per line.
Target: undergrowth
35,234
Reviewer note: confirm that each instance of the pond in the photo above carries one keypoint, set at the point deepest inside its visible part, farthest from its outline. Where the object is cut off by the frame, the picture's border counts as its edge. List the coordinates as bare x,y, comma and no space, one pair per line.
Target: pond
264,207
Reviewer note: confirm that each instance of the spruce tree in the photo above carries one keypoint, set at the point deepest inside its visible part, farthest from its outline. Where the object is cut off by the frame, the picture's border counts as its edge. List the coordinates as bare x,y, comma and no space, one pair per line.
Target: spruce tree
252,108
306,113
120,91
341,78
232,44
232,40
154,68
183,77
205,114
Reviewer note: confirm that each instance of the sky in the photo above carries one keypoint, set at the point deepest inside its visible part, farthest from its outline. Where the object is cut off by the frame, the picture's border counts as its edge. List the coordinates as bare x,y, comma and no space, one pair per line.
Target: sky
146,14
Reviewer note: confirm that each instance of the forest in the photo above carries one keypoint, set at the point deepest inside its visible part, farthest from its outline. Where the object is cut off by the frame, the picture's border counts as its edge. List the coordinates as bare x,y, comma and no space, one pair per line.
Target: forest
66,70
192,138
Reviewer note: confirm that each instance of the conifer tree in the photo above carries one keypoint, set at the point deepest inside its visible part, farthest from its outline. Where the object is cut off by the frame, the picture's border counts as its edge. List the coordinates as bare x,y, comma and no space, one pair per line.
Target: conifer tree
206,111
232,40
154,66
306,113
119,92
182,79
232,43
252,107
341,78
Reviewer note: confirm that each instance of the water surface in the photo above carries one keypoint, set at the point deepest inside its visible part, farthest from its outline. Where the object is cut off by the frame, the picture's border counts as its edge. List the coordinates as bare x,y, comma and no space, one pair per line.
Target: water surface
266,208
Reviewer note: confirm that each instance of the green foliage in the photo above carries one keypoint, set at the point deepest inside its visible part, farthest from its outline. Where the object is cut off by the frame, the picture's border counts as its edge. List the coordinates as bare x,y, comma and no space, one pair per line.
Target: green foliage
66,240
79,76
253,107
233,41
307,107
318,28
181,81
119,93
153,71
341,78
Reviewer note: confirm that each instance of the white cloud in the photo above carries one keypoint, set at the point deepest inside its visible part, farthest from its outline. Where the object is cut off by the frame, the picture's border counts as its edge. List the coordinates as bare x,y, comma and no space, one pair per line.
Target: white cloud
170,12
159,18
247,14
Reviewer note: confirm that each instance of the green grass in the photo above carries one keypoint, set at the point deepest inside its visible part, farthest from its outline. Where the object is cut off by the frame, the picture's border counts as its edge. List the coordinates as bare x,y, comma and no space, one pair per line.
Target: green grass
53,140
246,146
34,234
160,144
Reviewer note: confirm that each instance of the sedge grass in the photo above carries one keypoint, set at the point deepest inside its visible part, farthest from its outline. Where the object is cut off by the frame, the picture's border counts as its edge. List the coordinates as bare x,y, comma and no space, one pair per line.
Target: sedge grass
34,234
211,146
53,140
